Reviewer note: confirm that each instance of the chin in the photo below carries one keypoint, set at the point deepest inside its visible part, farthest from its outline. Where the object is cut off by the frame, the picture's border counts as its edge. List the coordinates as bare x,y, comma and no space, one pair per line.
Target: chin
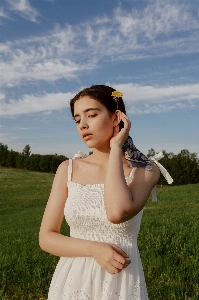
90,145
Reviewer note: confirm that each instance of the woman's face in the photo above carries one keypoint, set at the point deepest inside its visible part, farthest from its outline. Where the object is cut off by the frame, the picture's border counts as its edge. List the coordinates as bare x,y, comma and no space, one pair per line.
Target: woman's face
94,123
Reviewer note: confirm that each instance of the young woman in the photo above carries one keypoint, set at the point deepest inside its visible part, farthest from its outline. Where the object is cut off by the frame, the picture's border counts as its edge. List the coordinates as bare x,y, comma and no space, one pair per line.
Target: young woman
102,197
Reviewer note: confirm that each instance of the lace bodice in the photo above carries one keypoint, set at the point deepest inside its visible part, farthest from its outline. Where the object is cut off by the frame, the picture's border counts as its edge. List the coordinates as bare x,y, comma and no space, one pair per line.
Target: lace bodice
86,215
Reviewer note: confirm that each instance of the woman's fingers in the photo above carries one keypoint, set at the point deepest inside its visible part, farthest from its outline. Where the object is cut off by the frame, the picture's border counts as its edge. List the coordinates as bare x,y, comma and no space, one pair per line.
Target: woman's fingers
121,260
126,121
110,257
119,250
117,267
119,137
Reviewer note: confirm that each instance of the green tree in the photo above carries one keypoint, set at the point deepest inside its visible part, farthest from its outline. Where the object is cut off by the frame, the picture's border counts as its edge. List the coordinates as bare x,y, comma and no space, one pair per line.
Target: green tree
34,161
183,167
45,163
11,159
18,160
151,152
3,154
56,160
26,151
26,154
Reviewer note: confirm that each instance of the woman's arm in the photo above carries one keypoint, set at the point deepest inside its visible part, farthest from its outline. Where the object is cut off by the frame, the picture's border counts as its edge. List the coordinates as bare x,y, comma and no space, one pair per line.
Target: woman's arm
50,239
123,202
110,257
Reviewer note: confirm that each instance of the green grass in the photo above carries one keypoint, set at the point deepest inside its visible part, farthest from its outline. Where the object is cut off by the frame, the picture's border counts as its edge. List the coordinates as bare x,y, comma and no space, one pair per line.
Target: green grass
168,240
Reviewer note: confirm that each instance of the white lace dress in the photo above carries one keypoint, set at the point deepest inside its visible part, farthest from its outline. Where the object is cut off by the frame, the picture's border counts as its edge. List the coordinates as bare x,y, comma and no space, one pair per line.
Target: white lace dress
82,278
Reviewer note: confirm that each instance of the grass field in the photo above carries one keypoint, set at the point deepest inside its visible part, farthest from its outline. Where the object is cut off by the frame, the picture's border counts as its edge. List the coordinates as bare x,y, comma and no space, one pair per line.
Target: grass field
168,240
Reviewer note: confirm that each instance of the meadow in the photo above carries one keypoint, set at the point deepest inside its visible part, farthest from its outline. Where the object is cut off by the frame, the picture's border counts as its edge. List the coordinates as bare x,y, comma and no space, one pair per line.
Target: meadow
168,239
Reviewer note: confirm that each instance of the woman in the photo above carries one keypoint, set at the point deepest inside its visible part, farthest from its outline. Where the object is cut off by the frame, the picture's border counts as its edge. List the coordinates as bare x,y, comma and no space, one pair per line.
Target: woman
105,200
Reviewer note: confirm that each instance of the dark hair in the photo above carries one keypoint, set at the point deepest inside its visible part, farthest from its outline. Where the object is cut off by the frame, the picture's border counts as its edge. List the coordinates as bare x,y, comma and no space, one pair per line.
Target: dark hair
103,94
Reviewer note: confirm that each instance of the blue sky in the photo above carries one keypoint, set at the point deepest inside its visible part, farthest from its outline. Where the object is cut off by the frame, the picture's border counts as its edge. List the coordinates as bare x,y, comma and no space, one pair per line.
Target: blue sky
148,50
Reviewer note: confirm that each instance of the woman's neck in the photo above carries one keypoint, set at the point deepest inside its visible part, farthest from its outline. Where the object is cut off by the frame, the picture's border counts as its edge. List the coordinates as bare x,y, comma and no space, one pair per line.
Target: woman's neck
101,156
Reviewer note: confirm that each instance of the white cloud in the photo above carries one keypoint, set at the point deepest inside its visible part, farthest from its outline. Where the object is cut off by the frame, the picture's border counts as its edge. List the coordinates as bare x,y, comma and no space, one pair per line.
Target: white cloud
3,14
24,8
139,100
137,93
157,18
24,128
161,29
41,58
2,96
34,104
148,99
48,70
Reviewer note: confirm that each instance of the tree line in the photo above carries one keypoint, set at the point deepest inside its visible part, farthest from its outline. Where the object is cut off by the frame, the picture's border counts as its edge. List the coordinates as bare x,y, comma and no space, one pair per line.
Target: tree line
26,160
183,167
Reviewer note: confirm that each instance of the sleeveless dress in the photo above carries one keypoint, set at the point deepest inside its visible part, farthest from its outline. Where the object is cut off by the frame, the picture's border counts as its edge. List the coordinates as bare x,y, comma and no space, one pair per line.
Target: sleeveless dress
82,278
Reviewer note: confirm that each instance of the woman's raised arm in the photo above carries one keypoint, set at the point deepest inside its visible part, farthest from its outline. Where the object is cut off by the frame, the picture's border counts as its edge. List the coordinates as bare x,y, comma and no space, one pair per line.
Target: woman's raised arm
123,202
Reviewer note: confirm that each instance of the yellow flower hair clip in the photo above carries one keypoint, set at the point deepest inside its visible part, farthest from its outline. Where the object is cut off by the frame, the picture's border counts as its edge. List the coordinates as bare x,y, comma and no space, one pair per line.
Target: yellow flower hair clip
116,95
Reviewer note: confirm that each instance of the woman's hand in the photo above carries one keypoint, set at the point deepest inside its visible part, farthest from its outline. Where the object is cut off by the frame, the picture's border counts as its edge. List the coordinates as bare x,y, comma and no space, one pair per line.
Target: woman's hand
110,257
119,137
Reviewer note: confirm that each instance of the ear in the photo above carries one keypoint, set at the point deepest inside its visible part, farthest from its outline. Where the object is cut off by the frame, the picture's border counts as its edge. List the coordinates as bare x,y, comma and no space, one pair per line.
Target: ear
117,118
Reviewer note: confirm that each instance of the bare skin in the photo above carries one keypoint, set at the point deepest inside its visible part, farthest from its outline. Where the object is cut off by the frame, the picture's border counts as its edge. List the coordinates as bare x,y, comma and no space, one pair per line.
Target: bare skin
106,165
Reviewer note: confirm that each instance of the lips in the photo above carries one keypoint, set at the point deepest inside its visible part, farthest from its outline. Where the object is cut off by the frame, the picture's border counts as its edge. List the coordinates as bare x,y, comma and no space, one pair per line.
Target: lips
86,136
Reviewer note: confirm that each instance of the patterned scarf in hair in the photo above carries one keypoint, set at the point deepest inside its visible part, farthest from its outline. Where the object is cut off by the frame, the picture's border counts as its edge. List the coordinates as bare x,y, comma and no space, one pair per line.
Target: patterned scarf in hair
134,157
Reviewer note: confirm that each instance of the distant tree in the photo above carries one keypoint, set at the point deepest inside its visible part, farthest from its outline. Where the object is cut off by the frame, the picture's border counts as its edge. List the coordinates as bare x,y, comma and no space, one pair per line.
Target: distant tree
11,159
26,151
26,154
183,167
18,160
151,152
56,160
34,162
188,167
45,163
3,154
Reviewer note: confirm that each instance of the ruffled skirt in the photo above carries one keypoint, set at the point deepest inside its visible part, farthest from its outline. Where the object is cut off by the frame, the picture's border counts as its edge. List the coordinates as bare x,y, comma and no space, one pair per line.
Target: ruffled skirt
82,278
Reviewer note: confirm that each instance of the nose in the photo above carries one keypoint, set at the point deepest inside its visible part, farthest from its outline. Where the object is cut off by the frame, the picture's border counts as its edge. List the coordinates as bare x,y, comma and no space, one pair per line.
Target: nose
83,125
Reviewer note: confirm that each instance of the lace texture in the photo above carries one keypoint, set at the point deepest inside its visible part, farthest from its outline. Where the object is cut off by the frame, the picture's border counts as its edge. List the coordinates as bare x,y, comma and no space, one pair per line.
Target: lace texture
81,278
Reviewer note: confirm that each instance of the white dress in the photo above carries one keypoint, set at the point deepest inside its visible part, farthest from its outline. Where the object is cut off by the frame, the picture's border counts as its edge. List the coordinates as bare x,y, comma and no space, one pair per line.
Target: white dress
82,278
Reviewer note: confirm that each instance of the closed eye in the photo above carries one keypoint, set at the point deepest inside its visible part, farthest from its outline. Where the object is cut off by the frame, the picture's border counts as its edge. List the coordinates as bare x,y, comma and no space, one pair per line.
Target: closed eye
90,116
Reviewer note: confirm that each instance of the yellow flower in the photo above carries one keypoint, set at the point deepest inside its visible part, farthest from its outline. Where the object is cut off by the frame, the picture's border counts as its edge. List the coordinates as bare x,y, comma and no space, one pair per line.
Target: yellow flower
116,94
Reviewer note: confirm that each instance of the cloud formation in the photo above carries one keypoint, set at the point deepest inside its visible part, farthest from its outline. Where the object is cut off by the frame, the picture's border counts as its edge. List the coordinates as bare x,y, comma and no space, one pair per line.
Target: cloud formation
139,99
3,14
24,8
161,29
34,104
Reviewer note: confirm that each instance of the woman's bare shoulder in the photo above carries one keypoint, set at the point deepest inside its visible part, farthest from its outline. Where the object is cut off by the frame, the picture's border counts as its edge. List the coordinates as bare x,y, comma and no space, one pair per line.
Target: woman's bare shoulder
151,177
63,166
62,170
155,173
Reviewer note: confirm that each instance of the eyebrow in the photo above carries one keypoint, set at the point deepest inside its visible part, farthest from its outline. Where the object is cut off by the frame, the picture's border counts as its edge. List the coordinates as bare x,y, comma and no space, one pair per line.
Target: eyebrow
86,110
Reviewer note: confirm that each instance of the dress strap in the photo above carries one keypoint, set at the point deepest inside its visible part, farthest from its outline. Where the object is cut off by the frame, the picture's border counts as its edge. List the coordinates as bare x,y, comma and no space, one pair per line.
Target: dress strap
70,169
131,175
